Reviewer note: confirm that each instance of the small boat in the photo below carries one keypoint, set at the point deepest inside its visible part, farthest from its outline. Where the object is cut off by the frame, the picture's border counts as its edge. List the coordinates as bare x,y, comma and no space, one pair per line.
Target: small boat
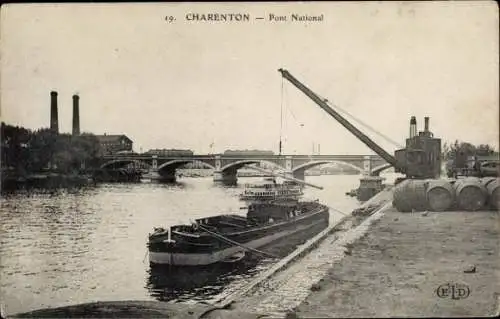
224,238
271,190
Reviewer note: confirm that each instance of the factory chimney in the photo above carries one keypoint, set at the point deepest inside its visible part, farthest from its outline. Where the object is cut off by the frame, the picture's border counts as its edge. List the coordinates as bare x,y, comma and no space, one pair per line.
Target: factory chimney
54,121
426,127
76,115
413,127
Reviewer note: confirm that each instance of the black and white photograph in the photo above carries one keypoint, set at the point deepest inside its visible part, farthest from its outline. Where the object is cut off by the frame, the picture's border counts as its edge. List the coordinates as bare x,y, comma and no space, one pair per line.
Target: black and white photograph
249,159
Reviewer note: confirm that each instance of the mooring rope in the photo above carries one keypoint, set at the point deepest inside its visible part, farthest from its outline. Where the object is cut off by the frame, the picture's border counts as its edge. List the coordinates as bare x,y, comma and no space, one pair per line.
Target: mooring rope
338,211
223,238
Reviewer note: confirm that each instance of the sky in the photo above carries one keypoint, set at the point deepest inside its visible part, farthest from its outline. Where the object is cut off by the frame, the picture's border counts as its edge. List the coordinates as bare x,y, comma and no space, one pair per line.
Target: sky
212,86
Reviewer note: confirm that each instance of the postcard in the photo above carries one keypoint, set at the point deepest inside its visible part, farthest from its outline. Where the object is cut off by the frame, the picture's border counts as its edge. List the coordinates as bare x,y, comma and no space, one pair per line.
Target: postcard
259,159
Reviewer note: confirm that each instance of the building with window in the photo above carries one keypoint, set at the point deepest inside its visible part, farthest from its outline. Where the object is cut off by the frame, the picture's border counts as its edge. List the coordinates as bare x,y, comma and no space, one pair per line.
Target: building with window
111,144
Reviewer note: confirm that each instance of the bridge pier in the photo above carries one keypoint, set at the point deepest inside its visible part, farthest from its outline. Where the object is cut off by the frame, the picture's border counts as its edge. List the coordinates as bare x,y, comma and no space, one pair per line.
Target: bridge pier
153,175
167,177
367,165
225,177
166,174
369,186
154,162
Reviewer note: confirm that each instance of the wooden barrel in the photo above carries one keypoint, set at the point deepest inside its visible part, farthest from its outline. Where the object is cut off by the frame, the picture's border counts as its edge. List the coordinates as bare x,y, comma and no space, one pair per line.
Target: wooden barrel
493,188
470,194
410,195
486,180
440,195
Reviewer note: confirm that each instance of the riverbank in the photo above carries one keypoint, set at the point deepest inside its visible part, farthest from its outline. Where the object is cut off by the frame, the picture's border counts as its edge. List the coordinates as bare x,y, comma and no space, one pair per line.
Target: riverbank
44,180
284,286
243,172
396,269
392,265
138,309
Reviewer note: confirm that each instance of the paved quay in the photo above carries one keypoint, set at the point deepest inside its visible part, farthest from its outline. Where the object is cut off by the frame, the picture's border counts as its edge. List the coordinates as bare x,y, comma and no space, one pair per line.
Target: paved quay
286,287
404,264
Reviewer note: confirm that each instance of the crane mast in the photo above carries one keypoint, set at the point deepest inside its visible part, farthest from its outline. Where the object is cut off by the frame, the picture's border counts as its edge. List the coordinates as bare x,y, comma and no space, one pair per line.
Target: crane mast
421,158
360,135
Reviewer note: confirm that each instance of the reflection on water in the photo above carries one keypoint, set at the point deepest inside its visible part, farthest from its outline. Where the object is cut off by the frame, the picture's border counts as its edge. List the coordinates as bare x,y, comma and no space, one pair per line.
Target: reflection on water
213,281
89,244
200,283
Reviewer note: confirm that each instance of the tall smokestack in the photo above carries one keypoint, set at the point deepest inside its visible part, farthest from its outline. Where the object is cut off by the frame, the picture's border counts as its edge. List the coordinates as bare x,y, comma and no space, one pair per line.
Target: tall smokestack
76,115
54,121
413,126
426,127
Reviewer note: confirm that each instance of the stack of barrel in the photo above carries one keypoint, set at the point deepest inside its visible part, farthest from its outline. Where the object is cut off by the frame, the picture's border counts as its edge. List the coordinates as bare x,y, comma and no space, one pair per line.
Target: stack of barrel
468,194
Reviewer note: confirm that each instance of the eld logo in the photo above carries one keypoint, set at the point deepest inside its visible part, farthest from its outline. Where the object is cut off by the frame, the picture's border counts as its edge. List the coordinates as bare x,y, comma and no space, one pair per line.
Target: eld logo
453,291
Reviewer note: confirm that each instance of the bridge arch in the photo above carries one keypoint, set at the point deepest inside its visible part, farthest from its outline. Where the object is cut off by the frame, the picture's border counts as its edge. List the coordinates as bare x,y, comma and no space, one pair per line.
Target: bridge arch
311,164
239,164
377,170
174,164
120,163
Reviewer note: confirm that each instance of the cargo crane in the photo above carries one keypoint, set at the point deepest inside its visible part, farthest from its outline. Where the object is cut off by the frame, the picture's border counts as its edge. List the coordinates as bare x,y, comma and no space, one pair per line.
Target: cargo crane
421,159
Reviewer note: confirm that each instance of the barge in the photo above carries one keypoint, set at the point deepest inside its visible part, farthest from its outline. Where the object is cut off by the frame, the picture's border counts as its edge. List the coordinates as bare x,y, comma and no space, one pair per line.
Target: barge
226,238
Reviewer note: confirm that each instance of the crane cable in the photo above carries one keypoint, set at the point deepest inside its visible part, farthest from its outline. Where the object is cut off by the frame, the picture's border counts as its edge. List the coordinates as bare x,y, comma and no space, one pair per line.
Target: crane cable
345,113
360,122
289,109
367,126
281,113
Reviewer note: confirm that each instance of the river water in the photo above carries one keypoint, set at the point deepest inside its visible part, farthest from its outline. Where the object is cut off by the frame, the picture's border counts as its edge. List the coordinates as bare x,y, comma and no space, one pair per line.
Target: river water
89,244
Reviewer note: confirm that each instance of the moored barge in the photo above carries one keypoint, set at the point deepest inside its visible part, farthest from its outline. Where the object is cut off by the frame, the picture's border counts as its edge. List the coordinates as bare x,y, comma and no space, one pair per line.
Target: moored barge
224,238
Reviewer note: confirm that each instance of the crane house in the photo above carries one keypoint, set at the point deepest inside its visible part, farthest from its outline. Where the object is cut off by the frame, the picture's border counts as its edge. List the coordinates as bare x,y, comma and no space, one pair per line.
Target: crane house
111,144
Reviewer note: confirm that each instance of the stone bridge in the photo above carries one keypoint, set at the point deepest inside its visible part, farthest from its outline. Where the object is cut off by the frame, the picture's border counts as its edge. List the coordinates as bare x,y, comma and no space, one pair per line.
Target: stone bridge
226,166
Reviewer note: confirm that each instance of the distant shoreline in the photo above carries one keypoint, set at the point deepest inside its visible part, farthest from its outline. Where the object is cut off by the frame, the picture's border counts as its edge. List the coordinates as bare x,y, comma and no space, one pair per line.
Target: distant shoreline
200,172
11,180
44,180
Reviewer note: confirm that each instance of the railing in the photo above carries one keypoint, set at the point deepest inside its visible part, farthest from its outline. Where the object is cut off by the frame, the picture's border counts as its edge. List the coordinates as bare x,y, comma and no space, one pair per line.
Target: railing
204,156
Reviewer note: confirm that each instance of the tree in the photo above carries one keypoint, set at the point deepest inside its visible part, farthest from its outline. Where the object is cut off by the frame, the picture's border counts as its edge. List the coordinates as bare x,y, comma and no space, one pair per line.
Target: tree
485,150
450,151
72,151
41,146
86,149
15,152
63,154
28,151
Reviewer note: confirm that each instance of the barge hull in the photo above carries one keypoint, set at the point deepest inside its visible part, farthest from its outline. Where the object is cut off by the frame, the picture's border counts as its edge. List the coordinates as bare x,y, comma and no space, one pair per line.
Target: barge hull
200,259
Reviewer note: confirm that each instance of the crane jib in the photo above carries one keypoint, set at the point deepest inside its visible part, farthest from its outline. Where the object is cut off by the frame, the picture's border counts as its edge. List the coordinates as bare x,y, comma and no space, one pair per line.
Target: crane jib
344,122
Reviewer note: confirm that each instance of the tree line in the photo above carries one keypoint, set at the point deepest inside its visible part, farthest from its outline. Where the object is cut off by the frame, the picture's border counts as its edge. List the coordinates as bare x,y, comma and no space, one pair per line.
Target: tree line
451,149
30,151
